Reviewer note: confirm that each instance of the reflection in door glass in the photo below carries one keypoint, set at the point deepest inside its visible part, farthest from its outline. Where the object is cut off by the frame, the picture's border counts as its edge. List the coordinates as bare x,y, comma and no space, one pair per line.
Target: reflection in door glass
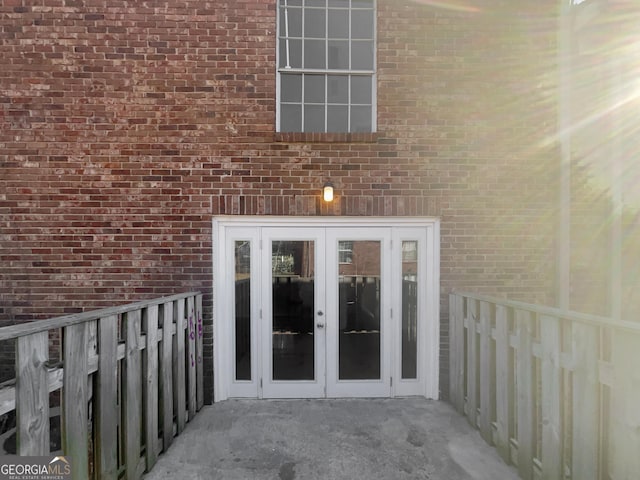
359,306
243,309
409,309
292,274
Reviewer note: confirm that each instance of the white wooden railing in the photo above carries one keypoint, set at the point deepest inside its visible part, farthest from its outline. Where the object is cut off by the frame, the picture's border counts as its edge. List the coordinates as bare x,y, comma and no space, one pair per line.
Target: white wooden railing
128,379
556,392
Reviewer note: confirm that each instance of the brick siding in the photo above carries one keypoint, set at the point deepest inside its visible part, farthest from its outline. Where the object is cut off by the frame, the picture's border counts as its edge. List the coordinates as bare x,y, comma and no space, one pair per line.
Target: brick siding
126,126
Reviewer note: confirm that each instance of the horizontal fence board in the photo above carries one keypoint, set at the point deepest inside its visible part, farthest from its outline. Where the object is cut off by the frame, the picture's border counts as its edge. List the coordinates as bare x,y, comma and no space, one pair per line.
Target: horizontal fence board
8,392
558,313
19,330
7,399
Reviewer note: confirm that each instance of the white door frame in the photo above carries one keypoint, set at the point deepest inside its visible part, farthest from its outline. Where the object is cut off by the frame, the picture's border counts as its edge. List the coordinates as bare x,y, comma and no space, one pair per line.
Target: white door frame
223,348
359,388
293,388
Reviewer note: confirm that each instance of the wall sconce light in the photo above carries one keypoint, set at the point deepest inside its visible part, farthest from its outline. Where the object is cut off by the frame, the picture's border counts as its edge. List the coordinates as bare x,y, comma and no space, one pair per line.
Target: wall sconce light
327,192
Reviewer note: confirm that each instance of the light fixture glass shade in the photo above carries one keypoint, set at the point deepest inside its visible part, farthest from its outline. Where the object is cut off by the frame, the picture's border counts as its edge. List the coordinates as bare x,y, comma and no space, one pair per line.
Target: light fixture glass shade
327,192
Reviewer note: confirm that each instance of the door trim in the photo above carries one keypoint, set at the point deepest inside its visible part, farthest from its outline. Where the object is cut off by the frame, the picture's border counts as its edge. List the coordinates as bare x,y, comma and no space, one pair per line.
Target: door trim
271,388
222,330
380,387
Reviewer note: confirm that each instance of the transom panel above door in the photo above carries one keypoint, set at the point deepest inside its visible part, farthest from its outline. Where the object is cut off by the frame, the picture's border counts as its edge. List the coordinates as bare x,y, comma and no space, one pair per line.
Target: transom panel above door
308,308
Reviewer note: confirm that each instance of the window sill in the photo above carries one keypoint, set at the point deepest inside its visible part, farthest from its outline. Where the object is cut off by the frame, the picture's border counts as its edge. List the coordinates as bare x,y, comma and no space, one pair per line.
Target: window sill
317,137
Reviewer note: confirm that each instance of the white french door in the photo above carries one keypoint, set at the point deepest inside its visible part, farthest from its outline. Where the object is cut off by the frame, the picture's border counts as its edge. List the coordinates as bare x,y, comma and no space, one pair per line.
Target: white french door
308,308
293,304
358,322
326,296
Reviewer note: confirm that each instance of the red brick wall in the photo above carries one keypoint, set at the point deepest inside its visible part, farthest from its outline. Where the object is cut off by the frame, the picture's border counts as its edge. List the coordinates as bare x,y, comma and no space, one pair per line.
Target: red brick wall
125,127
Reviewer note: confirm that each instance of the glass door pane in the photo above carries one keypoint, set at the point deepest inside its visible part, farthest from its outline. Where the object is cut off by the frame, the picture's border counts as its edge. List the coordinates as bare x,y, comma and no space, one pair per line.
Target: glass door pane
292,289
411,296
242,262
242,309
409,309
293,307
359,310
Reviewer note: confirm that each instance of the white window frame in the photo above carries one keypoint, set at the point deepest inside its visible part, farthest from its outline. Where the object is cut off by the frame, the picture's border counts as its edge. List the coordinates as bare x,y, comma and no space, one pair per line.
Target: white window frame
327,72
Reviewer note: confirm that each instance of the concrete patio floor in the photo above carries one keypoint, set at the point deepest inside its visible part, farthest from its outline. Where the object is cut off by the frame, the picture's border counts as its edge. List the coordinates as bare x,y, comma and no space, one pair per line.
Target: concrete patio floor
408,438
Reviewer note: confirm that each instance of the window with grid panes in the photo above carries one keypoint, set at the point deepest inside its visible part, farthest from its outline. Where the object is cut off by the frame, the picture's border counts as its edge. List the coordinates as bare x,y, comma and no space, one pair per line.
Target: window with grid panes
326,65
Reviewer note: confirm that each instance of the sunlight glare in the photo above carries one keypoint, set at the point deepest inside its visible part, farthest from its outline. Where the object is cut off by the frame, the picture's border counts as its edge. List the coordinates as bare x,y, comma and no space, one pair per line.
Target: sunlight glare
455,5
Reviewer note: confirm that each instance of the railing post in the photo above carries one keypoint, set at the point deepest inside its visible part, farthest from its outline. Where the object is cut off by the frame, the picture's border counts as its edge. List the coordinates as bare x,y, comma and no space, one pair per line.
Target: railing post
586,408
32,395
472,362
107,410
525,409
199,353
551,399
456,352
75,439
132,394
487,374
179,380
166,379
191,357
504,384
150,410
